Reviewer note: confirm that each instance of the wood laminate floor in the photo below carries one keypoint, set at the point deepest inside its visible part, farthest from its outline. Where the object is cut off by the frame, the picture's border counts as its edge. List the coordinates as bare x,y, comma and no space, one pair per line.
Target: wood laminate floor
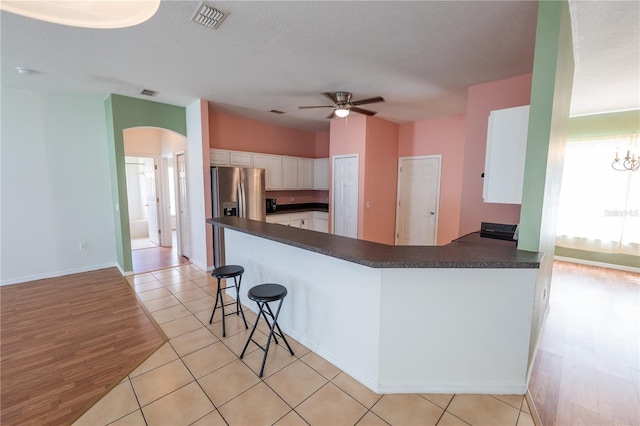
62,345
65,342
586,366
156,258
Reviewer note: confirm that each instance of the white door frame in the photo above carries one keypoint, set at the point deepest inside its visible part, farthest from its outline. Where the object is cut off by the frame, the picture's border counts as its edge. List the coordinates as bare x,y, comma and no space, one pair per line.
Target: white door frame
181,234
333,189
165,201
420,157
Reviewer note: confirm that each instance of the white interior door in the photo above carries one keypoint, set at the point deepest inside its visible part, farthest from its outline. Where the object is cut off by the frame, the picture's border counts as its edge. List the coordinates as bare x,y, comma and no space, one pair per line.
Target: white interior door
182,210
152,200
418,194
345,196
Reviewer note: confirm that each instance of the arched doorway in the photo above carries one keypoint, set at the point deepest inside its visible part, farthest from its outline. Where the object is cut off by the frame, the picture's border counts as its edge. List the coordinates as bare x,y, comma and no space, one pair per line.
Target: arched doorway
157,205
122,115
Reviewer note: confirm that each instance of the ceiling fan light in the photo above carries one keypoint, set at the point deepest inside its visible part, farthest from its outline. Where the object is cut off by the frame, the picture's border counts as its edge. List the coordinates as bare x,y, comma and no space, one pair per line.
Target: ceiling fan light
341,112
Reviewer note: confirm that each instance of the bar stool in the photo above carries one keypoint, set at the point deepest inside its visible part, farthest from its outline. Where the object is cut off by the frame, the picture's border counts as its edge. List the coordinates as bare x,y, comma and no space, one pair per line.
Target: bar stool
228,271
263,294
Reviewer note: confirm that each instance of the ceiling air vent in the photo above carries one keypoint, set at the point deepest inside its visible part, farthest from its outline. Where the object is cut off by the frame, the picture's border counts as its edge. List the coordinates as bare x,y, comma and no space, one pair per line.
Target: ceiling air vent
208,16
275,111
147,92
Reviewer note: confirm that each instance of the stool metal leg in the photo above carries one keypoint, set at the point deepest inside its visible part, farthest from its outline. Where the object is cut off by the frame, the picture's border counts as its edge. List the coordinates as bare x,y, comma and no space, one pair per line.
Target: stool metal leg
275,323
239,310
272,333
253,330
216,304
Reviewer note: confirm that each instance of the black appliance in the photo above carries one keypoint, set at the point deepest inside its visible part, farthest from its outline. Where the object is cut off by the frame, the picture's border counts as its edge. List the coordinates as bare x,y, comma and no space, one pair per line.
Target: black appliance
271,205
499,231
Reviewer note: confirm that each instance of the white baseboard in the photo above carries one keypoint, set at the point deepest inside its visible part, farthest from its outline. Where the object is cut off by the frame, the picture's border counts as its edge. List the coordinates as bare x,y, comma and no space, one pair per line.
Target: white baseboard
599,264
56,274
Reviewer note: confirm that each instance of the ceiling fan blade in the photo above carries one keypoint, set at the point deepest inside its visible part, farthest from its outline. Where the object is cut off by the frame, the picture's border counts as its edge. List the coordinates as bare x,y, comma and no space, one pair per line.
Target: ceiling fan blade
332,115
317,106
362,111
331,96
368,101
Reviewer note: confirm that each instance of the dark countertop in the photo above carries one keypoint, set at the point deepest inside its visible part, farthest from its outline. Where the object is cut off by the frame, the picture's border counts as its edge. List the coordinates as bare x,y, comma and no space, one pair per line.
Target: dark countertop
298,208
375,255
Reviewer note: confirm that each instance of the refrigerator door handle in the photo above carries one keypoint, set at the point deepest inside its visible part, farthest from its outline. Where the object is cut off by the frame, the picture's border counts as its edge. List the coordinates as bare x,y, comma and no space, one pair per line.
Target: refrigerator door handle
242,201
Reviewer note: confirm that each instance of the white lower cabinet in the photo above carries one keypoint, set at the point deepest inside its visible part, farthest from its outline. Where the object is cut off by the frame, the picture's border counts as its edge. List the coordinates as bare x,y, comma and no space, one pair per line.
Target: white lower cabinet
297,220
321,221
317,221
281,219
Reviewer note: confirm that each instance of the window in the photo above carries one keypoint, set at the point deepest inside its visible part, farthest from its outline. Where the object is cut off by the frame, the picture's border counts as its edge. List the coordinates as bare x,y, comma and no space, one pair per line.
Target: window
599,207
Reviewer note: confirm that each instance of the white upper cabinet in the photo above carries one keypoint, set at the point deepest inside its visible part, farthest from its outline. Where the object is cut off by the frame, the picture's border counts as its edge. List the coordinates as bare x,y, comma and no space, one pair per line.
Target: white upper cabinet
240,159
281,171
505,158
290,172
305,173
321,171
273,170
219,157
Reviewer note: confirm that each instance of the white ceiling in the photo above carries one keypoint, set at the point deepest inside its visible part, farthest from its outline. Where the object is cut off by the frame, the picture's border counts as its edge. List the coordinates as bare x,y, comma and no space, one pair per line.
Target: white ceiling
419,55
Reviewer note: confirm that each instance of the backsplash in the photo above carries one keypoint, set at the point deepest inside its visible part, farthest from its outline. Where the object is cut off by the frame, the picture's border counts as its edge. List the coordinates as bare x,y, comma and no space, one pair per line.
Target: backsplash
299,197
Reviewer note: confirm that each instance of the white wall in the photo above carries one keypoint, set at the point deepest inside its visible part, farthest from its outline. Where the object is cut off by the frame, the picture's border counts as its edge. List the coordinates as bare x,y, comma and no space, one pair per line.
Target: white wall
195,158
403,330
55,190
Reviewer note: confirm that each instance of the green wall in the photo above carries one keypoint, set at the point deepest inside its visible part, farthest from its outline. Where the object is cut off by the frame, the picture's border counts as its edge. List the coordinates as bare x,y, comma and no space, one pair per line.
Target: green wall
124,113
551,88
615,123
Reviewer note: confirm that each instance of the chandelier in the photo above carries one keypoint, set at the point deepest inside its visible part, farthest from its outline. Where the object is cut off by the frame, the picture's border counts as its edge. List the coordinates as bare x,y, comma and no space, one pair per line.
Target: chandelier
630,162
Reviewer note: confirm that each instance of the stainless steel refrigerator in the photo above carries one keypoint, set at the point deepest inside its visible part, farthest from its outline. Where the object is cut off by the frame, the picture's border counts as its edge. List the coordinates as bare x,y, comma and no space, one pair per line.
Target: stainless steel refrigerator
236,191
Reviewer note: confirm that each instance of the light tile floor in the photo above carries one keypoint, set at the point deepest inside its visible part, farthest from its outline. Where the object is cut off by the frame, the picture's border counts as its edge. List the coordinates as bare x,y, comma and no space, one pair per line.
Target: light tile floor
197,378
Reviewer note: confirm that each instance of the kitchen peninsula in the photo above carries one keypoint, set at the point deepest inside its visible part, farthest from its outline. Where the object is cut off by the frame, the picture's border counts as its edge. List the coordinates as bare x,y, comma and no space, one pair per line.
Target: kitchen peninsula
446,319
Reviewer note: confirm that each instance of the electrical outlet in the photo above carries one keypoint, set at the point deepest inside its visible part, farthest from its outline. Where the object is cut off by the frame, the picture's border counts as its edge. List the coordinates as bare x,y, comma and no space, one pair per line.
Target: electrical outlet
83,245
293,199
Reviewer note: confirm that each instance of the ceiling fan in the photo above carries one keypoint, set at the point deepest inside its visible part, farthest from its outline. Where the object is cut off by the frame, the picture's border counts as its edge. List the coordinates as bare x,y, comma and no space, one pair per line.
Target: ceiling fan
343,104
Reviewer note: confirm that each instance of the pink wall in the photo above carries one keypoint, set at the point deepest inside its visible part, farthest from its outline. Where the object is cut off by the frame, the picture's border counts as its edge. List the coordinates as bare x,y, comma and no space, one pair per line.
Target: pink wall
482,99
243,134
380,185
322,144
348,136
442,136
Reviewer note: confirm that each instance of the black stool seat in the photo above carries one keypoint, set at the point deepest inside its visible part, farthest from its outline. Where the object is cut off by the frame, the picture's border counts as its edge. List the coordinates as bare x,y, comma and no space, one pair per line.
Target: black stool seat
263,294
267,292
228,271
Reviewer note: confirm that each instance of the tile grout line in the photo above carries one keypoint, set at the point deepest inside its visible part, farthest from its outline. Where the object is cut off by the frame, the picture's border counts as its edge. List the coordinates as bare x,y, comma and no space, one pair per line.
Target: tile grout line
262,380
